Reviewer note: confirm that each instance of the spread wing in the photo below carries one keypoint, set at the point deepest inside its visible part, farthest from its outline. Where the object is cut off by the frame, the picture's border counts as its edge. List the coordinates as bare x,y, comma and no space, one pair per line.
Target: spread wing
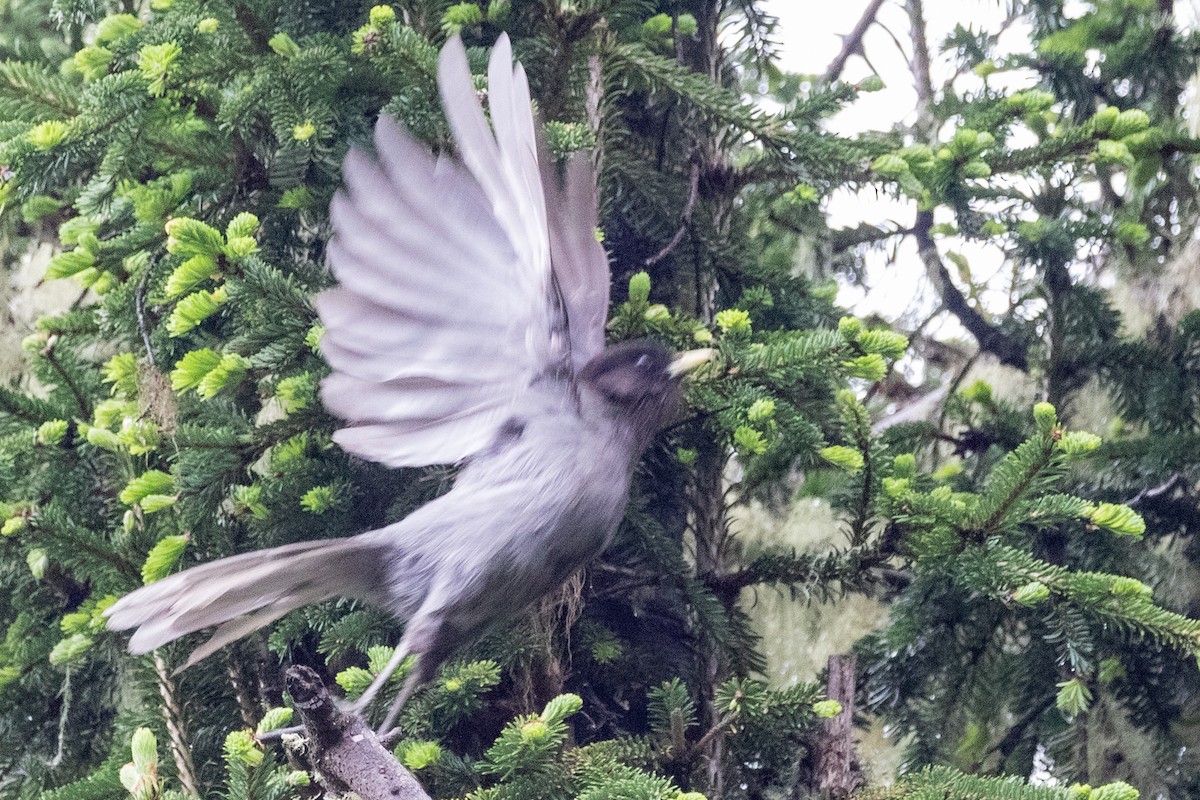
448,306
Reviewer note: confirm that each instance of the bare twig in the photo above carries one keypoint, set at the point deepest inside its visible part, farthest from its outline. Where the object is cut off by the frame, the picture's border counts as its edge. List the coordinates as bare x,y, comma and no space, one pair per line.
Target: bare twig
922,76
139,307
63,714
686,217
710,736
895,40
852,42
1155,491
916,411
990,338
959,377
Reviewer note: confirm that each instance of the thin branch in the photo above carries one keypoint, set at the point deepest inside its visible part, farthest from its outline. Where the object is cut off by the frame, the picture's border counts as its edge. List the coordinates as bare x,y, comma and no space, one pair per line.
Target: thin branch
896,41
922,74
959,377
81,400
842,239
852,43
181,750
916,411
1008,743
990,338
717,728
859,527
63,714
139,306
919,331
686,218
1155,491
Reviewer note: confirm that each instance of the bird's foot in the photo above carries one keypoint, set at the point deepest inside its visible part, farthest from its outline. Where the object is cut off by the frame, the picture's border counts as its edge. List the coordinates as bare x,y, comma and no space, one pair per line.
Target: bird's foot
357,708
389,738
279,733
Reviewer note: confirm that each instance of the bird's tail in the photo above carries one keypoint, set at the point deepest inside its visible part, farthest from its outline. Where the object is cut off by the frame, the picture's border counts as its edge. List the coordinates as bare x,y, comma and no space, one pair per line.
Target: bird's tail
243,593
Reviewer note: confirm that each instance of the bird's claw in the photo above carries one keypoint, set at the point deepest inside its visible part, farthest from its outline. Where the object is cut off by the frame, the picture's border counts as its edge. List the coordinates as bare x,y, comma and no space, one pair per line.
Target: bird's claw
279,733
359,709
388,738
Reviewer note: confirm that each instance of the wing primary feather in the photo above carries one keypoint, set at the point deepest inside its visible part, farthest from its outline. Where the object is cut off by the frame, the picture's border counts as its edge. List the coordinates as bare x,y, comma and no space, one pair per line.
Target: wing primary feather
447,315
476,144
579,262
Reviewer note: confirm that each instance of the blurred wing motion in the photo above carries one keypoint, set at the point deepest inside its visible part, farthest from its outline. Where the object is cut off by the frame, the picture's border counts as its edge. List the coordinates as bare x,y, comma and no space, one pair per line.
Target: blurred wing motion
580,263
448,306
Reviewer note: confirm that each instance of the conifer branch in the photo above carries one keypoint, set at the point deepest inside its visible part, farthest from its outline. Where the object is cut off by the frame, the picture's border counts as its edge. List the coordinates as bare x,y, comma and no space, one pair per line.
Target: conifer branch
1072,142
821,152
947,782
1018,489
33,92
28,409
74,539
346,753
1000,569
181,750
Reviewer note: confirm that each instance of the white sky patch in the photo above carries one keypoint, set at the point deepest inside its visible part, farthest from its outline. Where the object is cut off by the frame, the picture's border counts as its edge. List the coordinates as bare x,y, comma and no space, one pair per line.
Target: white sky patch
810,37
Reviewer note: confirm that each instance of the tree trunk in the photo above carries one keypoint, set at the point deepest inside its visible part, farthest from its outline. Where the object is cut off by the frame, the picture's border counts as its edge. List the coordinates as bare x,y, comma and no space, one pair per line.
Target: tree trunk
839,773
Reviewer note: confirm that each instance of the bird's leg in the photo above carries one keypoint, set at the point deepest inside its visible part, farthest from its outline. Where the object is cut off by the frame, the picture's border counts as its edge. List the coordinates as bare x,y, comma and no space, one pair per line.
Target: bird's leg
431,644
279,733
424,635
415,679
360,705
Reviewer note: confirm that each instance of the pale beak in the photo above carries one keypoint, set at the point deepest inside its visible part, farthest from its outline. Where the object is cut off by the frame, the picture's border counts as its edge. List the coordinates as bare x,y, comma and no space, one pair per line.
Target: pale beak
686,362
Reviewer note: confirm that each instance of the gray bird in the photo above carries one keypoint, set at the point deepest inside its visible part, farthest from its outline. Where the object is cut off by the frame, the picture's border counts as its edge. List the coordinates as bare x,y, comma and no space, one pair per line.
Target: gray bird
468,327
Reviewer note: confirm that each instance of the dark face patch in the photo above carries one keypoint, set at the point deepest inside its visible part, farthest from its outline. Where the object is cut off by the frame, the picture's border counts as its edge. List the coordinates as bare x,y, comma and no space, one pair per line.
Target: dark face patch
631,373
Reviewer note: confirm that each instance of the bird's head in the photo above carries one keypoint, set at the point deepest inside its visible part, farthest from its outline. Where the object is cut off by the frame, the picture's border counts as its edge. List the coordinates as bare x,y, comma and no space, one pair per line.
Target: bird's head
640,381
